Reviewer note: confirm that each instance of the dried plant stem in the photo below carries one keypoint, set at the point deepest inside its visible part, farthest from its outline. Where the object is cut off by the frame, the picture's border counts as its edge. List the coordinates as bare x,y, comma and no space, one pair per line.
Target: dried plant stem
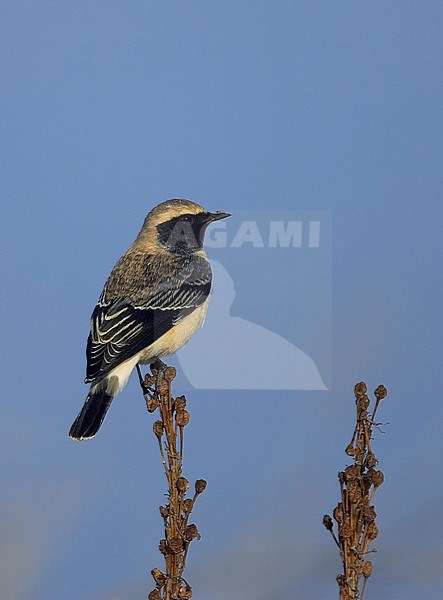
169,430
355,515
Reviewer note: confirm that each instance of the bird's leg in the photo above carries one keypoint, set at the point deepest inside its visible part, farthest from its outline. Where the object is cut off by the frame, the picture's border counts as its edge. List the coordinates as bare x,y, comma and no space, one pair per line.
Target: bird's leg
140,377
144,387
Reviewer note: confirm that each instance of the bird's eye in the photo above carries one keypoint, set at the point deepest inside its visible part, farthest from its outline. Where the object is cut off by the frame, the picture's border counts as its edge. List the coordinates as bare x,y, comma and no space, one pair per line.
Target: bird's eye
180,235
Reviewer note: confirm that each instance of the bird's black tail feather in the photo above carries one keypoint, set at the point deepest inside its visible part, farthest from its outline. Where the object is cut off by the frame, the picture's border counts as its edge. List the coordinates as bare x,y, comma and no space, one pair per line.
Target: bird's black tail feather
91,416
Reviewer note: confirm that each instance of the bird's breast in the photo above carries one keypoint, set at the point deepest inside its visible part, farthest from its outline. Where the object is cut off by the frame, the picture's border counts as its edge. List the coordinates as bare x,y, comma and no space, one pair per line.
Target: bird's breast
176,337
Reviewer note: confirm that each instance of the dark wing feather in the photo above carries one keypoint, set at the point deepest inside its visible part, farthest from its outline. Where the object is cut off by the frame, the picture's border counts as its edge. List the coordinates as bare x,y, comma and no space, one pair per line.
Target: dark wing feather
123,326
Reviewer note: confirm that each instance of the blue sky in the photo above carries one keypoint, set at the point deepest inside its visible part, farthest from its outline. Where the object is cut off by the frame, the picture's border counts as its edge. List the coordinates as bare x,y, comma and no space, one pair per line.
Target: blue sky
111,107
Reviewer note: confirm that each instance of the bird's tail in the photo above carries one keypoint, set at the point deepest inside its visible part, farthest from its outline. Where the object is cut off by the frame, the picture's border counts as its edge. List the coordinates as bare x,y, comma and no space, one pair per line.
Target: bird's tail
91,416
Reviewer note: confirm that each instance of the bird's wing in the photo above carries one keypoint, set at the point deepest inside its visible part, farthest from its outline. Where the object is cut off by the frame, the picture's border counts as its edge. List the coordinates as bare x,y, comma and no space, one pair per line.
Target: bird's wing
123,326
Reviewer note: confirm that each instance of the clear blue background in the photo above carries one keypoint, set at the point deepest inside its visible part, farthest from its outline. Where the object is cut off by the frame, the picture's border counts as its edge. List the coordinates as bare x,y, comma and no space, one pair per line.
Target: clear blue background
107,109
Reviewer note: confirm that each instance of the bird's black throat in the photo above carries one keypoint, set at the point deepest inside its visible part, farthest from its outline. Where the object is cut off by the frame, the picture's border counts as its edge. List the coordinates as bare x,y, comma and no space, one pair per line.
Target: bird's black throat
184,234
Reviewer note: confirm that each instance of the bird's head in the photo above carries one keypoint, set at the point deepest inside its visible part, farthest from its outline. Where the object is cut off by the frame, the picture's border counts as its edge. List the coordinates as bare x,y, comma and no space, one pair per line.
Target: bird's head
178,226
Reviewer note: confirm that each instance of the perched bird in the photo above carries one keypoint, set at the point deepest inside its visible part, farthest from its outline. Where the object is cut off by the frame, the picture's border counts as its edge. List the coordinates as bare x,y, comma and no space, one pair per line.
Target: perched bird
153,301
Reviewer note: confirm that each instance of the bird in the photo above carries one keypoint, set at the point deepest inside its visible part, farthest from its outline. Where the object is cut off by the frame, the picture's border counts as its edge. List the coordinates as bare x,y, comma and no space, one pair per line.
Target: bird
152,303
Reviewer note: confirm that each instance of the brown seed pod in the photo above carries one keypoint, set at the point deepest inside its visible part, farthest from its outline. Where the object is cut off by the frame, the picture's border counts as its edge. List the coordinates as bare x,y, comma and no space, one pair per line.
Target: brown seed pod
187,505
372,530
164,511
154,595
185,593
152,404
182,418
377,478
180,403
370,514
352,472
163,547
360,389
182,485
327,522
170,373
159,578
380,392
350,450
149,380
158,428
366,568
191,533
370,461
200,486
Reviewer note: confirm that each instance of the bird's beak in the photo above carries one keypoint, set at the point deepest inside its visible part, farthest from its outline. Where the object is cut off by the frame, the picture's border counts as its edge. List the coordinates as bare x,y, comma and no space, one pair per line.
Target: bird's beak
216,216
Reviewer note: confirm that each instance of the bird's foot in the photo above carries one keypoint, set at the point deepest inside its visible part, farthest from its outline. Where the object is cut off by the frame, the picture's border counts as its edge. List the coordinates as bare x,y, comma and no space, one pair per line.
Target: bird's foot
158,365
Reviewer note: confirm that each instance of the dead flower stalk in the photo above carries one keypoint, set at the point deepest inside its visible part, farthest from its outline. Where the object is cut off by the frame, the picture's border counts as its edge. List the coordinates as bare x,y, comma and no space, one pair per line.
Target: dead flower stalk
169,431
354,514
